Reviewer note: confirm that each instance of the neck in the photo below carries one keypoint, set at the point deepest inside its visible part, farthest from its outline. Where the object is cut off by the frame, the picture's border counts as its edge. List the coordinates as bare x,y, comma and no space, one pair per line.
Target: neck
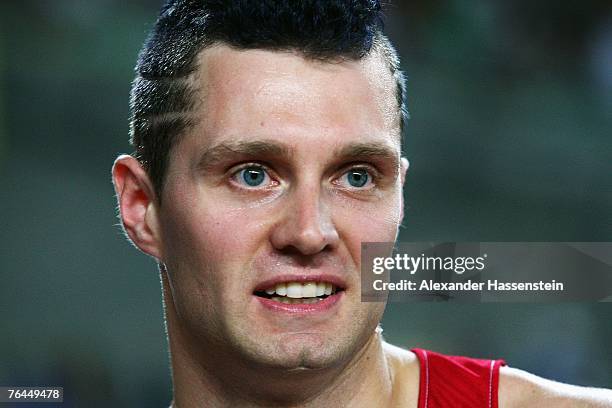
203,378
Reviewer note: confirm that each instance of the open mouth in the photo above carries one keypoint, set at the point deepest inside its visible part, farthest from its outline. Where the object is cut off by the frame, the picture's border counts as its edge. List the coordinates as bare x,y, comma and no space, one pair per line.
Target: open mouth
299,292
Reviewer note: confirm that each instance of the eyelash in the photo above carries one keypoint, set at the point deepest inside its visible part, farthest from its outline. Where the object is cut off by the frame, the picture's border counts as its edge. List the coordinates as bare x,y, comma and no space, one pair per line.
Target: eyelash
237,171
371,182
373,176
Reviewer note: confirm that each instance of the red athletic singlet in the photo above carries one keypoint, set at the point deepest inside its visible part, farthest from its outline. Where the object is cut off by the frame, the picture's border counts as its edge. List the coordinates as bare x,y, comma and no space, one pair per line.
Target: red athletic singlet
457,382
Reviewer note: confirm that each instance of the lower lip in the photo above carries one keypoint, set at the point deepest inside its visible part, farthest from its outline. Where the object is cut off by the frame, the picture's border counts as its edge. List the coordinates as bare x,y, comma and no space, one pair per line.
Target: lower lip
302,308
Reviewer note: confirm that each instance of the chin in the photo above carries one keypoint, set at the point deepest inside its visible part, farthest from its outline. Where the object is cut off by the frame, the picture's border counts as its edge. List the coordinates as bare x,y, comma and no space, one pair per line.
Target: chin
307,359
304,347
304,351
309,351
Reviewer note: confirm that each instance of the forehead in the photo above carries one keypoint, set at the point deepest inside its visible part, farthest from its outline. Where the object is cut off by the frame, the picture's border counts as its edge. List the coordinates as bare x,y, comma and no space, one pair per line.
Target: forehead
246,94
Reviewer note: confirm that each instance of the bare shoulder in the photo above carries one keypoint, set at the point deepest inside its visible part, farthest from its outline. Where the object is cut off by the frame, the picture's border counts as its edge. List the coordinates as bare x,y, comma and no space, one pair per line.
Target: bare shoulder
404,366
518,388
400,355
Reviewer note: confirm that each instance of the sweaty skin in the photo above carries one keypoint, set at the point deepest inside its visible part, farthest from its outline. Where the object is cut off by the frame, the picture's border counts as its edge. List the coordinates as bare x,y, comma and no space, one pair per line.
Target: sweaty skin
301,130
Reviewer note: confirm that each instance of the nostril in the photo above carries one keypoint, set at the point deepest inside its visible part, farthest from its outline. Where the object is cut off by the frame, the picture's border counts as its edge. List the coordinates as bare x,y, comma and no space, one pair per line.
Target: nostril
306,232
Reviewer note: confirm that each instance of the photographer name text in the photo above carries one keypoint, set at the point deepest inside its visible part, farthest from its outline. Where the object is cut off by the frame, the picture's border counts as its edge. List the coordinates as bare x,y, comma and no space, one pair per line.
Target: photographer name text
468,285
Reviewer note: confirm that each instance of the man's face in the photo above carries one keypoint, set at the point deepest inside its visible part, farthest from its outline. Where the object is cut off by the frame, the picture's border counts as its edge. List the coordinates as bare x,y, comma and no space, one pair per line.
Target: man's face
290,165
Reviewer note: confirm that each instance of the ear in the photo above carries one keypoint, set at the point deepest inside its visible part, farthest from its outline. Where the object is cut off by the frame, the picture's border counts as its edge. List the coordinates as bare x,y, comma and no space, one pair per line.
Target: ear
404,164
137,205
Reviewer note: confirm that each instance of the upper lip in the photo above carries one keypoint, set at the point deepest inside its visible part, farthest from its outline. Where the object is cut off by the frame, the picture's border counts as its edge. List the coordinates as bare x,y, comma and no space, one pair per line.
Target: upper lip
301,278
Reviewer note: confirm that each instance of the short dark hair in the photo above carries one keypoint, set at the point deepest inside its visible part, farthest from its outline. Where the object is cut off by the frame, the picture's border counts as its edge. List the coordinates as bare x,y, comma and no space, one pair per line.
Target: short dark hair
161,94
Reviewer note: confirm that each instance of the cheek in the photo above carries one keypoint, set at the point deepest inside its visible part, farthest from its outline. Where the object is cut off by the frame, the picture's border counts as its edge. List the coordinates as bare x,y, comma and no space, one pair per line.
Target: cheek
369,221
208,252
212,237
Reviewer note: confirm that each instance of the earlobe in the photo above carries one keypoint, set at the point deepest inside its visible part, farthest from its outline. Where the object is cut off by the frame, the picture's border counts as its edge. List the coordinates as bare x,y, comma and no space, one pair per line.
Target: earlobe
137,205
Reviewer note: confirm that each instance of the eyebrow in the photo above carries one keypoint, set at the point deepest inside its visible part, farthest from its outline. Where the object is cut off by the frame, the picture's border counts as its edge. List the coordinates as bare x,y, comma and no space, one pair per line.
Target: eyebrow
360,151
228,150
223,151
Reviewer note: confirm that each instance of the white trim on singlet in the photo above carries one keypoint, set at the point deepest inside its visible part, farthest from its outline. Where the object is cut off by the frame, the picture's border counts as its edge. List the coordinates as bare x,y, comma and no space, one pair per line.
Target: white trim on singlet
491,383
426,378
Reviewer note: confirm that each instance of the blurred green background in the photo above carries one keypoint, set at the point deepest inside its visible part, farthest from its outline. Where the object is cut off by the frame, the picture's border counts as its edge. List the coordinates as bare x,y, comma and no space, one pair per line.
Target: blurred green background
510,140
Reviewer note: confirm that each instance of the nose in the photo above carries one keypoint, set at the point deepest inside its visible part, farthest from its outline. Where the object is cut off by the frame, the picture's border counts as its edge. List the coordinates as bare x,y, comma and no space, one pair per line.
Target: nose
306,225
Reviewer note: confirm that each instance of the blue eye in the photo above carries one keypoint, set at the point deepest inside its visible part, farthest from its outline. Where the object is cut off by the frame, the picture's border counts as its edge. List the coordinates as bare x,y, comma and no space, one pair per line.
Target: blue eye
357,177
253,176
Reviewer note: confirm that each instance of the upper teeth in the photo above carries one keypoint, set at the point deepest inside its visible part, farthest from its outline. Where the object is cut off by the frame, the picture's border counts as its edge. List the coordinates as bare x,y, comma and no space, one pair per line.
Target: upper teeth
298,290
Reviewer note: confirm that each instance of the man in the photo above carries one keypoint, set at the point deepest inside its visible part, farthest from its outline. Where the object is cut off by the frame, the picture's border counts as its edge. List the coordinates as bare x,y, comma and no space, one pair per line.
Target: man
267,140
